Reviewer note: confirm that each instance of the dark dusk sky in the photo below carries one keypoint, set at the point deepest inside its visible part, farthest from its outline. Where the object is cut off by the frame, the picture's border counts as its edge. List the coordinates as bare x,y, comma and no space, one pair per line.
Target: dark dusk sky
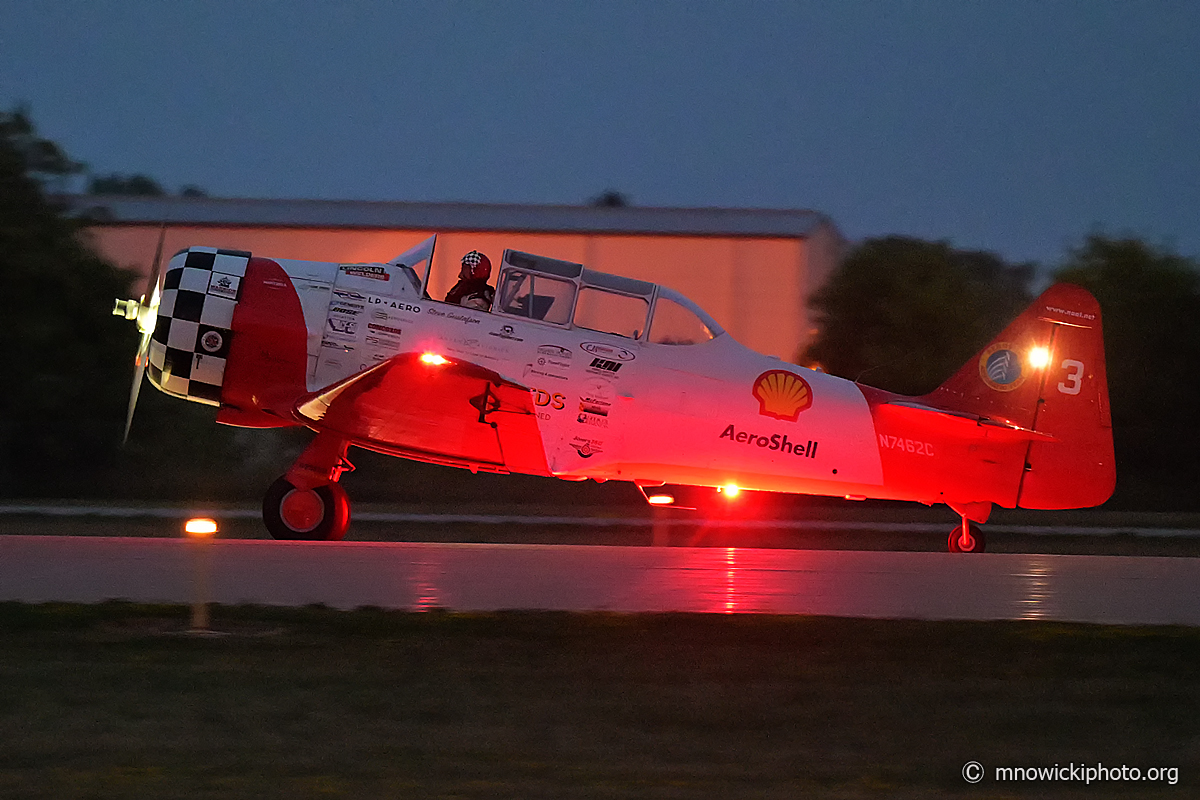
1017,127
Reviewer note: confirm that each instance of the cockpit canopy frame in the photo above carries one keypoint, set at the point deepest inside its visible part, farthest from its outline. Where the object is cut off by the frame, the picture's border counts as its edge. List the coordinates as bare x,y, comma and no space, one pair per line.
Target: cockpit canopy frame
567,294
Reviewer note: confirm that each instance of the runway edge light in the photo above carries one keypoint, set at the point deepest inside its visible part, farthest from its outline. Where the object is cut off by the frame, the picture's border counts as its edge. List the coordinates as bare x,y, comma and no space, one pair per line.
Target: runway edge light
200,527
201,531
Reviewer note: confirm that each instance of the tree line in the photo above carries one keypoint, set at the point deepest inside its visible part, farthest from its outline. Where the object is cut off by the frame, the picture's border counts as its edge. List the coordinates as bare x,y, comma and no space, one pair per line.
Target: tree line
904,314
899,313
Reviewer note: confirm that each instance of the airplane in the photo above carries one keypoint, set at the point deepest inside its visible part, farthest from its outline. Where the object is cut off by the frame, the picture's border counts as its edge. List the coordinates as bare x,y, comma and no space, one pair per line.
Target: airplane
578,374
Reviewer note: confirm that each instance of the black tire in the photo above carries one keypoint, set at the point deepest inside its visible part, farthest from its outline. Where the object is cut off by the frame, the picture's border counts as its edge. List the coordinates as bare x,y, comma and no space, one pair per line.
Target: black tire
954,542
320,514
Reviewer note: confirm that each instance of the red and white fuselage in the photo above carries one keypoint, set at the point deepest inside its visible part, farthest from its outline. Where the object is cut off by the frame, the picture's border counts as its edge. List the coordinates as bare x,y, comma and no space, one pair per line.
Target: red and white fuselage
578,374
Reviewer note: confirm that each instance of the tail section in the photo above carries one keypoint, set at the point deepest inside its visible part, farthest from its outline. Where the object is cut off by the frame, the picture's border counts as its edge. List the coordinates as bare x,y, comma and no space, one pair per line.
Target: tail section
1045,372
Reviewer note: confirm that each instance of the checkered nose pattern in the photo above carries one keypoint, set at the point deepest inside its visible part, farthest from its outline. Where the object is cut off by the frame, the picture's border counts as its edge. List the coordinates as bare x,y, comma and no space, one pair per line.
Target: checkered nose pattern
190,345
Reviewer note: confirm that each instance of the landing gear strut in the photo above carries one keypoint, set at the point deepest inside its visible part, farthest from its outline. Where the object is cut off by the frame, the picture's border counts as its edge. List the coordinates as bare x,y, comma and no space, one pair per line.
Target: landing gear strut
307,503
966,538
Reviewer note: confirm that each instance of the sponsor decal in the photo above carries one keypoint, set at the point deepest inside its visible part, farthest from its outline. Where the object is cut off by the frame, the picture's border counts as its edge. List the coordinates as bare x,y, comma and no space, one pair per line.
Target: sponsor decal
212,341
541,372
1000,367
463,318
346,309
371,271
587,447
905,445
607,351
384,329
224,285
554,400
775,442
506,332
387,302
553,357
346,327
344,296
380,315
597,394
593,408
782,394
605,365
595,420
471,347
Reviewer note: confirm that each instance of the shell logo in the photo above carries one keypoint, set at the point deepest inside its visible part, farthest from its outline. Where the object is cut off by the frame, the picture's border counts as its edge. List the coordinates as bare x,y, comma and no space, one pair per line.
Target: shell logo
782,394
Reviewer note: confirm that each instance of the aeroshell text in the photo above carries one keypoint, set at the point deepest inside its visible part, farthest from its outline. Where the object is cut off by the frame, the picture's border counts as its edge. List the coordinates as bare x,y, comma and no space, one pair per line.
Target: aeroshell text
775,442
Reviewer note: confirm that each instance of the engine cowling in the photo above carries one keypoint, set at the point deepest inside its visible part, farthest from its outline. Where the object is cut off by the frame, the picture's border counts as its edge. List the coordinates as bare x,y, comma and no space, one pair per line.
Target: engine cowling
231,333
190,347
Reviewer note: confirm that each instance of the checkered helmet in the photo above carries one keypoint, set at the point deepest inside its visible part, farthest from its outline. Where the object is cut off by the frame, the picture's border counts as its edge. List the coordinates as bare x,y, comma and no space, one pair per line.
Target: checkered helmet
477,264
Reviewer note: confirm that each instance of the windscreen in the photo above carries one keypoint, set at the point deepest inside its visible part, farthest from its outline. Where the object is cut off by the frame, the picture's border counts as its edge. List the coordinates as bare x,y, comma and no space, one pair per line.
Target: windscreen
529,294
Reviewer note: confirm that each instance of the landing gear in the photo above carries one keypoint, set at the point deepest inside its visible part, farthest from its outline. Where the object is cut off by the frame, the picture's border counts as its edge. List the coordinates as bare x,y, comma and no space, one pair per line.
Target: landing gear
307,503
318,514
966,538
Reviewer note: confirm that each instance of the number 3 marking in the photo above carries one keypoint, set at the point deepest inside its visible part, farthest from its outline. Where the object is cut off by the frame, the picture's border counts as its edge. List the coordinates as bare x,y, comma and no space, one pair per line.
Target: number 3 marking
1073,382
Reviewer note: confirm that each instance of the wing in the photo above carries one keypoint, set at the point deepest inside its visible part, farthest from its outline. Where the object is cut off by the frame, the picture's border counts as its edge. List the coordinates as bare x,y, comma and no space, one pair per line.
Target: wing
453,412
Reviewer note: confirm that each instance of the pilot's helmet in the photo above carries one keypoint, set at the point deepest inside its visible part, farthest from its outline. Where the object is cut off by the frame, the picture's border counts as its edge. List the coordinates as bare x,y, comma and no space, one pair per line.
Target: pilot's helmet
476,265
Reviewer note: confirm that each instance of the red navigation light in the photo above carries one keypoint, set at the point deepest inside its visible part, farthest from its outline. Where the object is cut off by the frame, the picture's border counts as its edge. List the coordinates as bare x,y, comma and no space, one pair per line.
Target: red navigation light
730,490
660,499
434,359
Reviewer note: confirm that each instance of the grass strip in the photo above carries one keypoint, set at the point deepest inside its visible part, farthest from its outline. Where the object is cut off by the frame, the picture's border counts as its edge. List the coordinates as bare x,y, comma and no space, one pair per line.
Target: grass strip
115,700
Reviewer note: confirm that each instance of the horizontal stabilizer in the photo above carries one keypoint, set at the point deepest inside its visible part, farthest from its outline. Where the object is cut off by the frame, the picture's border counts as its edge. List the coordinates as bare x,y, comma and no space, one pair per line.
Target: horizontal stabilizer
997,428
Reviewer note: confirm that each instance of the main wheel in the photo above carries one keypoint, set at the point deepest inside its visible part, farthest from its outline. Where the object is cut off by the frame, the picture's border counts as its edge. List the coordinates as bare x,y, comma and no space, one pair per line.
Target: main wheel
316,514
957,543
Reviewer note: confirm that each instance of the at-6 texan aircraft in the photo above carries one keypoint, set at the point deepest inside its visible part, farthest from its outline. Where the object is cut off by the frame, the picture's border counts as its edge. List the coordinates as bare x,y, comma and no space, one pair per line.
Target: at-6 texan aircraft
577,374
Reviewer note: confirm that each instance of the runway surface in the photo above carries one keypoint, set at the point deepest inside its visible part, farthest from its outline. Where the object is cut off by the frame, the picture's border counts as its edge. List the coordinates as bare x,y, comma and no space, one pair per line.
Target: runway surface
489,577
76,512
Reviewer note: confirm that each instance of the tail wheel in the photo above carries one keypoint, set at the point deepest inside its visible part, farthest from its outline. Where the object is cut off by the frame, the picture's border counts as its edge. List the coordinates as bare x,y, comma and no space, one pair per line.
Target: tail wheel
319,514
967,538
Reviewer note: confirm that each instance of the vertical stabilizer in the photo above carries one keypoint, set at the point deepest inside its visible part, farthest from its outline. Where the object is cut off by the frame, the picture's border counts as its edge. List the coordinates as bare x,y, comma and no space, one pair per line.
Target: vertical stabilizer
1045,372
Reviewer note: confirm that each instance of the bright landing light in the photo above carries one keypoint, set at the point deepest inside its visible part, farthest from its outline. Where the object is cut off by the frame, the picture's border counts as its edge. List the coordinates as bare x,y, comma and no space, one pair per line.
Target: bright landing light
434,359
1039,357
731,491
660,499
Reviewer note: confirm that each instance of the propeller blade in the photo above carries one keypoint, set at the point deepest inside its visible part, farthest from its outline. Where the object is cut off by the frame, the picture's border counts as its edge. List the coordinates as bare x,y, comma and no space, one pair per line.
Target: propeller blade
139,370
156,265
147,317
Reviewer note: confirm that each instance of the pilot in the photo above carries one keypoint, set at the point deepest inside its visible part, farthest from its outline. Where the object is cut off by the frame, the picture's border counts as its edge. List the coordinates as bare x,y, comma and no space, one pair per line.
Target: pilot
472,289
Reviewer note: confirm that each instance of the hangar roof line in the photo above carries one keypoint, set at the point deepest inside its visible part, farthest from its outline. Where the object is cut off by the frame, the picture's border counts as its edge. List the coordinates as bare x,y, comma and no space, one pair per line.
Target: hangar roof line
358,214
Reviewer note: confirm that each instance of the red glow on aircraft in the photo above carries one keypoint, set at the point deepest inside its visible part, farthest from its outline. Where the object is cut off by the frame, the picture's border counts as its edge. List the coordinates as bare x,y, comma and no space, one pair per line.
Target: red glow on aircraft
576,374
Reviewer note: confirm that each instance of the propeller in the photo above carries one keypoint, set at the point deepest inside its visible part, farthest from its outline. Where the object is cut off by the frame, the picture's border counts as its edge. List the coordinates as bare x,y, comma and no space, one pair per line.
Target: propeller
145,311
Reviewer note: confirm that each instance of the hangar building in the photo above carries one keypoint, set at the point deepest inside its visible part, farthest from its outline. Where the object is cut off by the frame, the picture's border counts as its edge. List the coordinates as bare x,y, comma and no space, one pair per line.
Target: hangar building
752,270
